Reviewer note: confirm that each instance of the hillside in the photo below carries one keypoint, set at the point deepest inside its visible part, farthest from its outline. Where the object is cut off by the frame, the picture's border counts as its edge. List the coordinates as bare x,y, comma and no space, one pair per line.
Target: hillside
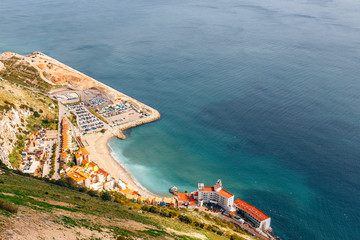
22,110
44,209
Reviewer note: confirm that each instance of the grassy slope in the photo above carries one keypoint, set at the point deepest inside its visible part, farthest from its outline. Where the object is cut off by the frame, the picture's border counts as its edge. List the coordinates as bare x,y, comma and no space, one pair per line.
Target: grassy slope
71,210
14,93
22,73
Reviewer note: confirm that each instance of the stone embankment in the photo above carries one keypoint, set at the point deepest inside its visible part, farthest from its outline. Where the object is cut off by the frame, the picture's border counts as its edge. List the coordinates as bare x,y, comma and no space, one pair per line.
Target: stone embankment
155,115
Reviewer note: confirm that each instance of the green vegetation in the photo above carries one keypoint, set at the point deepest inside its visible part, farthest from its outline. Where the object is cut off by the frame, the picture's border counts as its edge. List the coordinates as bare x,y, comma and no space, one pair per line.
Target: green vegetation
24,74
106,196
15,156
8,206
36,114
65,203
98,116
41,115
72,118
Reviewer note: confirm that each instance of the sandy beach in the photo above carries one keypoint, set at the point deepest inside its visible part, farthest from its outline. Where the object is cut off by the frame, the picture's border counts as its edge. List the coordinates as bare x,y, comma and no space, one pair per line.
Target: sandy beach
100,153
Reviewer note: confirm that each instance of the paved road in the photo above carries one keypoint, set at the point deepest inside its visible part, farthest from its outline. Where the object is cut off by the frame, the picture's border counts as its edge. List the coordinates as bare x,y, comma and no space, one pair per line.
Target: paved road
243,226
57,155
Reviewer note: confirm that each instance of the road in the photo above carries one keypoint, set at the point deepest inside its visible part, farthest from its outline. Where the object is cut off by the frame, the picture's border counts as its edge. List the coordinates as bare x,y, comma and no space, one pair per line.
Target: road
57,155
243,226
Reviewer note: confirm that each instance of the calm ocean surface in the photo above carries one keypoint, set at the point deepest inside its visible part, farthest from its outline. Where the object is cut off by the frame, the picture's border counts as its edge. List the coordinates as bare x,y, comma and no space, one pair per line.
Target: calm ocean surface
262,94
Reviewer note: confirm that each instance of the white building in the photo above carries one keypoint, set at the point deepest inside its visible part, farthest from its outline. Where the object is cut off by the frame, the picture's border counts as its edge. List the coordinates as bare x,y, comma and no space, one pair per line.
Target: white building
257,217
216,195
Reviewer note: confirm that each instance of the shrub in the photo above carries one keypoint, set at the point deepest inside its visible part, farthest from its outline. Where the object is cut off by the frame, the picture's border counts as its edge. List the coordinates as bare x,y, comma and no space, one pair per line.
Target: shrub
82,189
236,237
93,193
153,209
145,208
185,219
106,196
36,114
8,206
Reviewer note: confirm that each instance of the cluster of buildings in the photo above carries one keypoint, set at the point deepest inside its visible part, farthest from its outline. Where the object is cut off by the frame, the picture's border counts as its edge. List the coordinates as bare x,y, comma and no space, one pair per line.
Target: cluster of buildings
89,175
65,141
86,173
36,156
218,196
67,97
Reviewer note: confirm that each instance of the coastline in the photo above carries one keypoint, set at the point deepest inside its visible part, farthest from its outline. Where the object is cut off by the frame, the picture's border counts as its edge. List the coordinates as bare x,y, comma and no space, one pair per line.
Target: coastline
106,159
100,151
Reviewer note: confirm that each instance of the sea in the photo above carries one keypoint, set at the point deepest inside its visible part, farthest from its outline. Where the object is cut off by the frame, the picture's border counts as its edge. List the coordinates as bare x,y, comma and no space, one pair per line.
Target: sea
263,95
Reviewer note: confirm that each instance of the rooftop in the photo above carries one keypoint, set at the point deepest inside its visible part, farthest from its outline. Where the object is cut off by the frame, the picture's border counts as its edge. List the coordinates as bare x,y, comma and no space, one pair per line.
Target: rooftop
256,213
186,197
222,192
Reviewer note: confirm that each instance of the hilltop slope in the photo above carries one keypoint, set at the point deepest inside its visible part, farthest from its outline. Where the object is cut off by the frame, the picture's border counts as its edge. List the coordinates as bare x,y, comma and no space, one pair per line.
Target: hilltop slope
46,210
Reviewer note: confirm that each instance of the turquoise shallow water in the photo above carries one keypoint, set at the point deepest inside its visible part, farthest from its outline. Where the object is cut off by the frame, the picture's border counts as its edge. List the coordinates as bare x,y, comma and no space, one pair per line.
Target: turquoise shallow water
264,95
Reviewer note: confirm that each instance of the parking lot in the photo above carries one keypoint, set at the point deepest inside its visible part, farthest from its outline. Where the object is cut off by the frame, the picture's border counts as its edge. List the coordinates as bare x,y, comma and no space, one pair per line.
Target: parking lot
87,122
119,113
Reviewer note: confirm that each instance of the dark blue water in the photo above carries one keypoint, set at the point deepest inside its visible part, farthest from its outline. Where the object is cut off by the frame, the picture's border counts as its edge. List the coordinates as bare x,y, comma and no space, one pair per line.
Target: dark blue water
264,95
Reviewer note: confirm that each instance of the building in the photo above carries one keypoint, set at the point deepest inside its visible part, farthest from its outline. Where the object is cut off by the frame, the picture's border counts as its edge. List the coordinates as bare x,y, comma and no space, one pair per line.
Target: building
216,195
65,135
64,157
82,156
187,200
257,217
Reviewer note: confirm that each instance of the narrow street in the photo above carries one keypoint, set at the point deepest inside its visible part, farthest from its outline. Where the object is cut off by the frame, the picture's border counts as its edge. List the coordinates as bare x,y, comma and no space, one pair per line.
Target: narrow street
57,155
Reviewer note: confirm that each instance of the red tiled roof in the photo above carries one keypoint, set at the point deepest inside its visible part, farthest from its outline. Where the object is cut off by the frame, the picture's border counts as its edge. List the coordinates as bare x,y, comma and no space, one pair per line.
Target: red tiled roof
65,124
182,196
222,192
256,213
225,193
64,155
84,151
186,197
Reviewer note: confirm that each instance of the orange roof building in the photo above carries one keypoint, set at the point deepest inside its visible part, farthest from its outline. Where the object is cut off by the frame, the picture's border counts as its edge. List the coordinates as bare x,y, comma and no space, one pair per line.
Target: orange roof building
82,156
65,141
187,200
65,135
215,194
256,216
65,125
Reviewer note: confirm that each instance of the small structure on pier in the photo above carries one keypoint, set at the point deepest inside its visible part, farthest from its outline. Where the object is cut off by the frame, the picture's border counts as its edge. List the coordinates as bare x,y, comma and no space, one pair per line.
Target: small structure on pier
174,190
